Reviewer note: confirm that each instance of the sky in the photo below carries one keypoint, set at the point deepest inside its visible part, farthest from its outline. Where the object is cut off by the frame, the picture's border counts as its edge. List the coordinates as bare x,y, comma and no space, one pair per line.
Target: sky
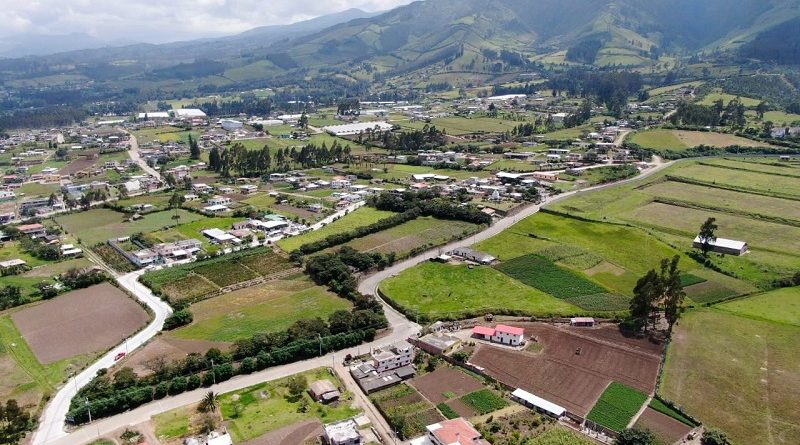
158,21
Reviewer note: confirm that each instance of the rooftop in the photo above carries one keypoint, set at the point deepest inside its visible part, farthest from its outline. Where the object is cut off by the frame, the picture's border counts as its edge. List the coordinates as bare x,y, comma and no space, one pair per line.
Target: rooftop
456,432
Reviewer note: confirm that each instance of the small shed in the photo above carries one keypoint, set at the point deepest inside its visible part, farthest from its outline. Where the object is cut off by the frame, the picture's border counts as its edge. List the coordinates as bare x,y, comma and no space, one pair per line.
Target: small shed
324,391
585,322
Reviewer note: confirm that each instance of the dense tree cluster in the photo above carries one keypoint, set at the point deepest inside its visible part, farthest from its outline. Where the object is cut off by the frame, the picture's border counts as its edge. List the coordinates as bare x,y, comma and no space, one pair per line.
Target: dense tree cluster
719,114
246,104
658,290
584,51
15,422
429,204
610,88
48,117
237,160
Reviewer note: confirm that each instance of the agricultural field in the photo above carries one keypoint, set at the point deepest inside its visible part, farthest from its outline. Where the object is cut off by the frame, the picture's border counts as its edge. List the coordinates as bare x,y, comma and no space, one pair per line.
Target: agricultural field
99,225
359,218
450,291
419,233
195,280
753,199
667,424
759,384
56,329
535,428
404,402
617,406
678,140
716,95
25,379
42,344
575,381
269,307
164,134
457,394
545,275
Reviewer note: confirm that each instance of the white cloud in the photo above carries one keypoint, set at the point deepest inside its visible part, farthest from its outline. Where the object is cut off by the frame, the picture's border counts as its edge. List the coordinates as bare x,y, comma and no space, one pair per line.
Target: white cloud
165,20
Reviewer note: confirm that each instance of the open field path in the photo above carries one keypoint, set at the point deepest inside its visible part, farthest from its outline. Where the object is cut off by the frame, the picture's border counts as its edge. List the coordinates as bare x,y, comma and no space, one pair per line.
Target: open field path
133,152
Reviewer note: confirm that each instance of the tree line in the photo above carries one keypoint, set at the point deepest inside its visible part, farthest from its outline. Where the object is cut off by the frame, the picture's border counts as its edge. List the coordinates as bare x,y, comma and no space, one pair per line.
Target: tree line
237,160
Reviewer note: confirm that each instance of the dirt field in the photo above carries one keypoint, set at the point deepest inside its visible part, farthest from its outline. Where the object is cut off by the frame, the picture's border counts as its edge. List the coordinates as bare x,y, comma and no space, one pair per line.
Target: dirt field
666,428
445,380
79,322
574,381
170,349
77,165
290,435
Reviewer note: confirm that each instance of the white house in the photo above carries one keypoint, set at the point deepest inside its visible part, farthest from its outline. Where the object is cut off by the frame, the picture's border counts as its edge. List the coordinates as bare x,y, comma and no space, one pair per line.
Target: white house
505,335
399,355
722,245
218,201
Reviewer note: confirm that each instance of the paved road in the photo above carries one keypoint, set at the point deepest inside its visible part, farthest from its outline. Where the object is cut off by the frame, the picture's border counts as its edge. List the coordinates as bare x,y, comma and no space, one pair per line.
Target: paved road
134,154
51,424
90,432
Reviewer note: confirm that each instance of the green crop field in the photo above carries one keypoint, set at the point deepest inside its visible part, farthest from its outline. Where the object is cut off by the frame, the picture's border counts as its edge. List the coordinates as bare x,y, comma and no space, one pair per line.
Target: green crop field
361,217
418,233
268,406
270,307
441,290
758,165
484,401
543,274
710,98
617,406
406,410
559,436
99,225
197,279
746,365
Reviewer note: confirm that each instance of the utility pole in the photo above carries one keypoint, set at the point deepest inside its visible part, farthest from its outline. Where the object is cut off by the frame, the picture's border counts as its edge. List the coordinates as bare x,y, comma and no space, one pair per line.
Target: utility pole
213,373
320,343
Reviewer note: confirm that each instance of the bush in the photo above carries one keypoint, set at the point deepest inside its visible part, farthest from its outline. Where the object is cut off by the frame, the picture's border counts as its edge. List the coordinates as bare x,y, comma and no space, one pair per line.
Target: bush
178,319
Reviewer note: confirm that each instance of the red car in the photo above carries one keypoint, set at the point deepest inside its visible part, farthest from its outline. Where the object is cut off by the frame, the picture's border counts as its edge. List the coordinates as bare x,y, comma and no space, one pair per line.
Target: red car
119,356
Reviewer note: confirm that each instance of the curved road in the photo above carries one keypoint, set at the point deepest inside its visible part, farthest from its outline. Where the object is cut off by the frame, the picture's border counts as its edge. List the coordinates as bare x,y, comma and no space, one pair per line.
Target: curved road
51,424
51,428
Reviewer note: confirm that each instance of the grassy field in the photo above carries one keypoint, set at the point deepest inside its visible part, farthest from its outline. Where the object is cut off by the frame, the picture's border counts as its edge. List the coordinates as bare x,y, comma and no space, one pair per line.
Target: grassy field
710,98
458,126
657,139
678,140
630,254
779,306
99,225
617,406
761,182
270,307
268,406
420,232
164,135
434,289
361,217
750,367
403,172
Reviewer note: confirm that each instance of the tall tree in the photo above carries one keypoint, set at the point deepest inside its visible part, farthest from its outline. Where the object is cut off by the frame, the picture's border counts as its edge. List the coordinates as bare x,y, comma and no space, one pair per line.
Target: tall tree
214,161
707,234
673,290
645,295
194,148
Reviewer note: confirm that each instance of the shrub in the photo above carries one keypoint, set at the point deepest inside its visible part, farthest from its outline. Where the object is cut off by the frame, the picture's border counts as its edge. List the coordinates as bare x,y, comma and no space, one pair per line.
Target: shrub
178,319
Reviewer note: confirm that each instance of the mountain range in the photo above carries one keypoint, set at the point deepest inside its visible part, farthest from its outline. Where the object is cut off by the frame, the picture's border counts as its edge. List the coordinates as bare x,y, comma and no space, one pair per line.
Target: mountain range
441,36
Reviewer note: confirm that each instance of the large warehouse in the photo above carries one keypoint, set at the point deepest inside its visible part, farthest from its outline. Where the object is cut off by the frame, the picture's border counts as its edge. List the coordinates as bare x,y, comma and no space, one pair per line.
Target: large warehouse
360,127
